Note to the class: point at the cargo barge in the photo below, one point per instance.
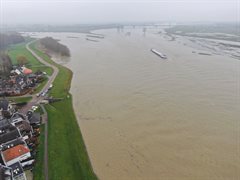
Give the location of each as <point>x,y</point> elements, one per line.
<point>163,56</point>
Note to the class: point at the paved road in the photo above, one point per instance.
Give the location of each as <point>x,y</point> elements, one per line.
<point>36,100</point>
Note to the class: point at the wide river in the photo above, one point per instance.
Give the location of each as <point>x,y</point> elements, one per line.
<point>146,118</point>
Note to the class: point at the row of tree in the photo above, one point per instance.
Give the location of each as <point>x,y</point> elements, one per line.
<point>7,39</point>
<point>5,64</point>
<point>55,46</point>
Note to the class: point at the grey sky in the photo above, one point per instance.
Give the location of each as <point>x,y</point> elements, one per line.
<point>62,12</point>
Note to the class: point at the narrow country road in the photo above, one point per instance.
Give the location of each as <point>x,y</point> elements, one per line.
<point>36,100</point>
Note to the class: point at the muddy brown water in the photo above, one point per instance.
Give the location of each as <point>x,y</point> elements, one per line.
<point>147,118</point>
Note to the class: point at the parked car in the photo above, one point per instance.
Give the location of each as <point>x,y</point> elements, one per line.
<point>34,108</point>
<point>50,87</point>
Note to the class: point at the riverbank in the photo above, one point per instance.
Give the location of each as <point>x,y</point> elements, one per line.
<point>140,116</point>
<point>67,152</point>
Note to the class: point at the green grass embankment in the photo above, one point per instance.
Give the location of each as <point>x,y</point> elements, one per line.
<point>68,158</point>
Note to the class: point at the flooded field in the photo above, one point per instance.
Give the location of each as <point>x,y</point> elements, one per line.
<point>143,117</point>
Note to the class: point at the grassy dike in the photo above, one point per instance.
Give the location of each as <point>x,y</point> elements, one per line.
<point>38,171</point>
<point>68,158</point>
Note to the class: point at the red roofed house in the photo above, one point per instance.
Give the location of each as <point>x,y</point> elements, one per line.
<point>27,71</point>
<point>15,154</point>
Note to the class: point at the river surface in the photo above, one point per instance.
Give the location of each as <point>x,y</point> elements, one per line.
<point>146,118</point>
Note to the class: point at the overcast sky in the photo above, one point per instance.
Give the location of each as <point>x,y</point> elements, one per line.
<point>109,11</point>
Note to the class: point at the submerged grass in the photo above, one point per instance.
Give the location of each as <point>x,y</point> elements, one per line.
<point>68,158</point>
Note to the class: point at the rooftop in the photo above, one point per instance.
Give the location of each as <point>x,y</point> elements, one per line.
<point>4,104</point>
<point>5,173</point>
<point>27,71</point>
<point>15,152</point>
<point>16,169</point>
<point>8,132</point>
<point>11,144</point>
<point>34,118</point>
<point>3,123</point>
<point>17,115</point>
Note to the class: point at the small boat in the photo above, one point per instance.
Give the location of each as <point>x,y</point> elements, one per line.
<point>163,56</point>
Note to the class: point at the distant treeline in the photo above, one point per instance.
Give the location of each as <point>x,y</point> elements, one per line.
<point>228,31</point>
<point>84,28</point>
<point>55,46</point>
<point>7,39</point>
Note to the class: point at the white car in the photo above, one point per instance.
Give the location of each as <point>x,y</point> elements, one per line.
<point>34,108</point>
<point>44,93</point>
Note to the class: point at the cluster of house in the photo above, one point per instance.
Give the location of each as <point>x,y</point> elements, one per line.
<point>18,141</point>
<point>20,81</point>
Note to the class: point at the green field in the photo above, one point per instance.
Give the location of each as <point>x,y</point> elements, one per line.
<point>33,63</point>
<point>68,158</point>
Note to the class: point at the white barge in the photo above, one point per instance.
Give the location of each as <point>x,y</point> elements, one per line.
<point>163,56</point>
